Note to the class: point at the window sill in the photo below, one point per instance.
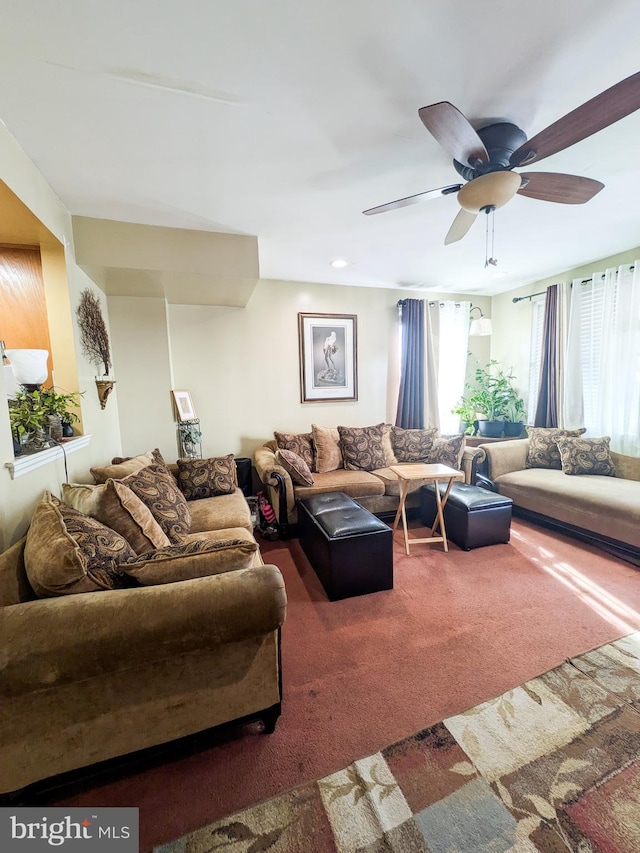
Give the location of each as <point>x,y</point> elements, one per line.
<point>23,464</point>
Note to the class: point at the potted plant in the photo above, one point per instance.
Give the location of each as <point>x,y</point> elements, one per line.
<point>30,414</point>
<point>190,438</point>
<point>60,408</point>
<point>515,415</point>
<point>467,414</point>
<point>29,419</point>
<point>492,392</point>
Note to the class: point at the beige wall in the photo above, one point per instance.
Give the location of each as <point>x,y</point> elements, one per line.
<point>511,337</point>
<point>142,367</point>
<point>242,366</point>
<point>19,497</point>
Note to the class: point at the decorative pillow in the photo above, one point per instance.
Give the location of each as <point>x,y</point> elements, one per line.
<point>195,559</point>
<point>586,456</point>
<point>123,466</point>
<point>363,447</point>
<point>300,443</point>
<point>206,478</point>
<point>543,450</point>
<point>447,450</point>
<point>326,444</point>
<point>68,552</point>
<point>412,445</point>
<point>156,488</point>
<point>119,508</point>
<point>296,466</point>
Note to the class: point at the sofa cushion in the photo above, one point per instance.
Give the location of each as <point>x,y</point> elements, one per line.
<point>123,466</point>
<point>194,559</point>
<point>220,512</point>
<point>206,478</point>
<point>295,466</point>
<point>602,505</point>
<point>356,484</point>
<point>300,443</point>
<point>119,508</point>
<point>446,450</point>
<point>580,455</point>
<point>327,451</point>
<point>157,488</point>
<point>543,450</point>
<point>412,445</point>
<point>364,447</point>
<point>68,552</point>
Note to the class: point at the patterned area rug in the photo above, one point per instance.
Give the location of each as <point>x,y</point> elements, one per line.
<point>553,765</point>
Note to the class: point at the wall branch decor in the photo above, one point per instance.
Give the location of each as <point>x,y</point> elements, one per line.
<point>95,341</point>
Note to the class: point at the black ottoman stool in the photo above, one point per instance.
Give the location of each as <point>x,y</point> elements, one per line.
<point>350,549</point>
<point>473,516</point>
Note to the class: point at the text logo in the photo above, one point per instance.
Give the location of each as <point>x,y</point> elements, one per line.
<point>32,829</point>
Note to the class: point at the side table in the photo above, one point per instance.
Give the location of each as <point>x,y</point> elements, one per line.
<point>432,473</point>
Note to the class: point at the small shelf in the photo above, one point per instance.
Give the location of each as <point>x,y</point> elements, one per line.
<point>29,462</point>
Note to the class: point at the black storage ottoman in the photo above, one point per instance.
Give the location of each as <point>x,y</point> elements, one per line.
<point>473,516</point>
<point>350,549</point>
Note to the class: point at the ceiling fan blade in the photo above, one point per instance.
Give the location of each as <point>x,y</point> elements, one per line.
<point>413,199</point>
<point>554,186</point>
<point>454,132</point>
<point>605,109</point>
<point>460,225</point>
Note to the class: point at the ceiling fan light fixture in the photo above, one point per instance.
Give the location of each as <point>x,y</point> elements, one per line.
<point>492,190</point>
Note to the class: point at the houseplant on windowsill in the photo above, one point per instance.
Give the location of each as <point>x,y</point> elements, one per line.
<point>467,414</point>
<point>515,415</point>
<point>491,394</point>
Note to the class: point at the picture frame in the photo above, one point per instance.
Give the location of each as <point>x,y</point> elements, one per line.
<point>184,405</point>
<point>328,357</point>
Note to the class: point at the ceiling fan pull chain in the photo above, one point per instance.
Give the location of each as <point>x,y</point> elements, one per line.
<point>490,260</point>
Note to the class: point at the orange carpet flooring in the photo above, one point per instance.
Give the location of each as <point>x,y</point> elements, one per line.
<point>359,674</point>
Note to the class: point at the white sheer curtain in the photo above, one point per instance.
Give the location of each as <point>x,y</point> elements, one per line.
<point>602,365</point>
<point>447,342</point>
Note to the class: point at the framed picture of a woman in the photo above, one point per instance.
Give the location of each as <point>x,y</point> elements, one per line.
<point>328,357</point>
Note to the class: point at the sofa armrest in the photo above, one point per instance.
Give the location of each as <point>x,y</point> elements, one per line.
<point>49,642</point>
<point>471,458</point>
<point>503,457</point>
<point>277,482</point>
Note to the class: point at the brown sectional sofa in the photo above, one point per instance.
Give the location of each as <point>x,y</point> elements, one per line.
<point>90,676</point>
<point>377,490</point>
<point>601,510</point>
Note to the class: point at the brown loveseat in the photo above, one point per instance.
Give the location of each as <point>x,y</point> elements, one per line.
<point>91,676</point>
<point>376,489</point>
<point>601,510</point>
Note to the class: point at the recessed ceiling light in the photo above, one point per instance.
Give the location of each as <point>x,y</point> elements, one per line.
<point>499,274</point>
<point>339,263</point>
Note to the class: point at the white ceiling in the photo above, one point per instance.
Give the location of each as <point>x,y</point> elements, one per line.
<point>286,119</point>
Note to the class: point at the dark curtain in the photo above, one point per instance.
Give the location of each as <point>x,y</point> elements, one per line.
<point>547,404</point>
<point>410,414</point>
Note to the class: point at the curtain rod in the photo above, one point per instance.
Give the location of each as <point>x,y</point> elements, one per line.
<point>402,302</point>
<point>542,292</point>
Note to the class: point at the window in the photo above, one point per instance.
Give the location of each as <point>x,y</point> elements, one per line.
<point>603,355</point>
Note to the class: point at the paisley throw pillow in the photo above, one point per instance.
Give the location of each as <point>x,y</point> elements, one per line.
<point>156,488</point>
<point>207,478</point>
<point>68,552</point>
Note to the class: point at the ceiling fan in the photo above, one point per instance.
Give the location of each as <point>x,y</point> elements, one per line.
<point>485,158</point>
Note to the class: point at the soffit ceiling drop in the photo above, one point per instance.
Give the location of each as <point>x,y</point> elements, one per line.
<point>285,122</point>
